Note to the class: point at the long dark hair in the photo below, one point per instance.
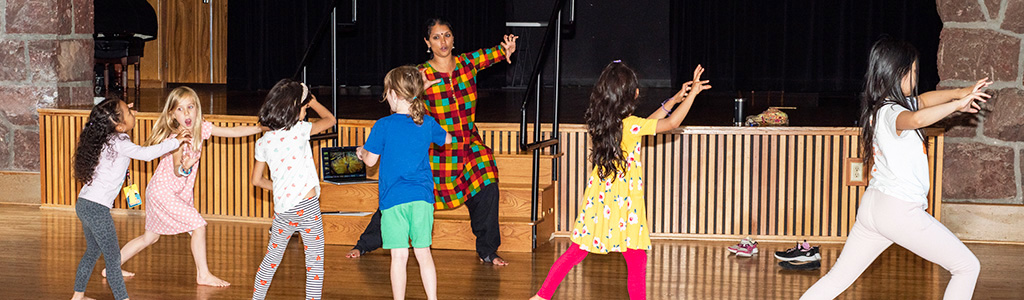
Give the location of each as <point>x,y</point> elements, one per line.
<point>96,134</point>
<point>613,99</point>
<point>282,106</point>
<point>890,60</point>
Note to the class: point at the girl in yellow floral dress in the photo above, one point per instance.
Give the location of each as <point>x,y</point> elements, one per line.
<point>613,217</point>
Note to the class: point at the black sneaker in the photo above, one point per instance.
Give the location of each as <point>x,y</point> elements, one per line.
<point>802,252</point>
<point>800,266</point>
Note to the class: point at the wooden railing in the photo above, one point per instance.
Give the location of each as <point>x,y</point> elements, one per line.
<point>702,181</point>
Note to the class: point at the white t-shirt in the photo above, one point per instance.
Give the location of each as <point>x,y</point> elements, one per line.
<point>901,161</point>
<point>290,159</point>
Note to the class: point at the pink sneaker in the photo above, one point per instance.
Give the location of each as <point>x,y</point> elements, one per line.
<point>745,248</point>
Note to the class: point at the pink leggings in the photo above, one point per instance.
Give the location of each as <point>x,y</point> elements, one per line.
<point>636,266</point>
<point>883,220</point>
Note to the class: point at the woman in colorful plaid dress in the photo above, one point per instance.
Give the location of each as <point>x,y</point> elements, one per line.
<point>464,171</point>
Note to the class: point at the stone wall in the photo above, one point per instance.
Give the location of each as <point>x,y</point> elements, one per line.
<point>983,38</point>
<point>46,52</point>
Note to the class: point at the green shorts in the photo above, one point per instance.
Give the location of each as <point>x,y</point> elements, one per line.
<point>400,223</point>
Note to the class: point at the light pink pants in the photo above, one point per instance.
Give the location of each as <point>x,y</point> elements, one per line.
<point>883,220</point>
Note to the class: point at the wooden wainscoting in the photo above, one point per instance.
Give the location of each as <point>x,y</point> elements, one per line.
<point>721,182</point>
<point>708,182</point>
<point>727,182</point>
<point>222,187</point>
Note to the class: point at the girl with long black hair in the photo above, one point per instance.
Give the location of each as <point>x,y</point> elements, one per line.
<point>101,160</point>
<point>892,209</point>
<point>613,218</point>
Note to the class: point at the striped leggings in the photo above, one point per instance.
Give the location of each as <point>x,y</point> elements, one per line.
<point>304,218</point>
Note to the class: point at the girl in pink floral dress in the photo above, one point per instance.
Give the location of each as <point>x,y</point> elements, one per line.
<point>170,208</point>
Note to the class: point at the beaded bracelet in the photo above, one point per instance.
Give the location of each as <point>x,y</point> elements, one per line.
<point>663,106</point>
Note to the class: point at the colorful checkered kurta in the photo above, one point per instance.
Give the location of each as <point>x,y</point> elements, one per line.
<point>463,168</point>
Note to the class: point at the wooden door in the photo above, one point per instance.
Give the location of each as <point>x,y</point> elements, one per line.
<point>192,56</point>
<point>152,62</point>
<point>220,41</point>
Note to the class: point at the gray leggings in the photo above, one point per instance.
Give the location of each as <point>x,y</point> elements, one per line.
<point>100,238</point>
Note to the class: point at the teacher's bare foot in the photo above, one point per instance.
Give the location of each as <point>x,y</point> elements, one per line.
<point>494,259</point>
<point>211,280</point>
<point>354,253</point>
<point>123,273</point>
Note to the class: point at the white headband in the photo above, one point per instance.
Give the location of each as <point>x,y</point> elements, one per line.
<point>305,92</point>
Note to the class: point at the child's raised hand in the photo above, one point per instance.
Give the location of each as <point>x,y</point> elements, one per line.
<point>697,85</point>
<point>190,159</point>
<point>509,44</point>
<point>685,90</point>
<point>313,102</point>
<point>185,136</point>
<point>980,85</point>
<point>967,104</point>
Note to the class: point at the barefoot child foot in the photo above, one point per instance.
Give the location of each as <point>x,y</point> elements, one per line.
<point>537,297</point>
<point>81,296</point>
<point>123,273</point>
<point>211,280</point>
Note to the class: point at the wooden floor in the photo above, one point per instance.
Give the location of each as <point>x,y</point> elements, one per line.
<point>41,248</point>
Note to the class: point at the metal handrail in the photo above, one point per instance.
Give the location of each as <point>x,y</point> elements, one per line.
<point>540,144</point>
<point>552,32</point>
<point>553,29</point>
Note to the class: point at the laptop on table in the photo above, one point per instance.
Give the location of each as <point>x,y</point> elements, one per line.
<point>340,165</point>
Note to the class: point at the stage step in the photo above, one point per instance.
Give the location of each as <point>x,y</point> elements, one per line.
<point>452,227</point>
<point>518,168</point>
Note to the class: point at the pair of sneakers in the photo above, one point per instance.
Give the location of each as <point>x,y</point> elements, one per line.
<point>746,248</point>
<point>801,257</point>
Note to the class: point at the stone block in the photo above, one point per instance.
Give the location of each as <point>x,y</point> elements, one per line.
<point>993,8</point>
<point>26,150</point>
<point>12,61</point>
<point>978,171</point>
<point>83,10</point>
<point>959,10</point>
<point>5,145</point>
<point>972,54</point>
<point>75,60</point>
<point>65,16</point>
<point>1004,113</point>
<point>33,16</point>
<point>75,96</point>
<point>960,125</point>
<point>42,60</point>
<point>1014,18</point>
<point>19,102</point>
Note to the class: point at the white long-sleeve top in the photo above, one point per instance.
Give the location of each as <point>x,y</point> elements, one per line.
<point>113,164</point>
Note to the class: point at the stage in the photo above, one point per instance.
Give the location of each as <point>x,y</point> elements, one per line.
<point>42,248</point>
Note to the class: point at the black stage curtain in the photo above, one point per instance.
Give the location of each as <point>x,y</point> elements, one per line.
<point>267,39</point>
<point>796,45</point>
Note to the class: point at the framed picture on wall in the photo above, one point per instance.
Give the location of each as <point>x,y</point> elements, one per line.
<point>856,174</point>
